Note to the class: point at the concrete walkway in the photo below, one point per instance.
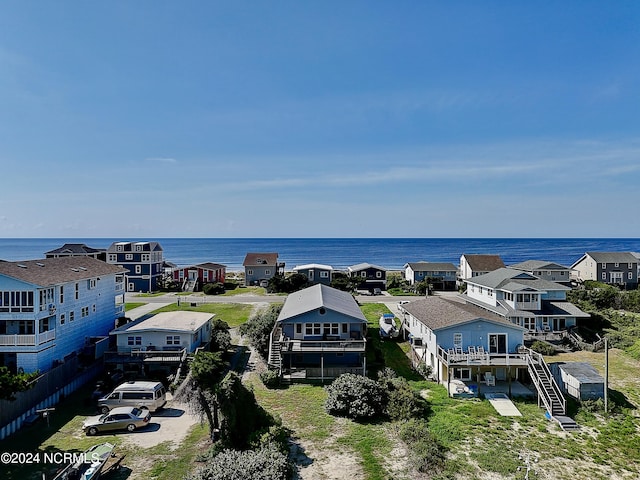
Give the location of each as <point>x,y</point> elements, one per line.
<point>502,404</point>
<point>145,309</point>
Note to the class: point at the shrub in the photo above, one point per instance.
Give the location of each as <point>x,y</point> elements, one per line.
<point>258,328</point>
<point>427,454</point>
<point>213,288</point>
<point>355,396</point>
<point>424,370</point>
<point>264,463</point>
<point>270,378</point>
<point>543,348</point>
<point>230,285</point>
<point>220,336</point>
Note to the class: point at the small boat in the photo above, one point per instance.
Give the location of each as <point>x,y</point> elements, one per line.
<point>388,326</point>
<point>89,465</point>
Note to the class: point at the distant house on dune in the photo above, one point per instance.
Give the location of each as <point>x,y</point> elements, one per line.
<point>315,272</point>
<point>194,277</point>
<point>615,268</point>
<point>473,265</point>
<point>259,267</point>
<point>442,274</point>
<point>77,250</point>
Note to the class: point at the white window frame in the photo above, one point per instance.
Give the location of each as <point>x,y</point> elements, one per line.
<point>457,339</point>
<point>128,256</point>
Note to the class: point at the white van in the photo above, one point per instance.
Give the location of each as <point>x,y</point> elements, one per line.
<point>141,394</point>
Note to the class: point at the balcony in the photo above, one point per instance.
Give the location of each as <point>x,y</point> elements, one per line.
<point>346,345</point>
<point>475,358</point>
<point>146,356</point>
<point>22,340</point>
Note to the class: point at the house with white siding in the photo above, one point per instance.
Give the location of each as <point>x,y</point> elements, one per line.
<point>52,308</point>
<point>537,305</point>
<point>473,265</point>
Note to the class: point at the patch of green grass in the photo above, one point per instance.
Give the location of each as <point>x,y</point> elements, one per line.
<point>234,314</point>
<point>245,291</point>
<point>169,464</point>
<point>131,305</point>
<point>300,407</point>
<point>371,443</point>
<point>154,294</point>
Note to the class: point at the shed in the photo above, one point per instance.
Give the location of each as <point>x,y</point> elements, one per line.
<point>578,380</point>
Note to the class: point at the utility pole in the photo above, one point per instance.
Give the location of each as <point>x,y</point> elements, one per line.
<point>606,375</point>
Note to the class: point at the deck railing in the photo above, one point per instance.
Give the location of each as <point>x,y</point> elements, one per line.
<point>18,340</point>
<point>450,357</point>
<point>323,345</point>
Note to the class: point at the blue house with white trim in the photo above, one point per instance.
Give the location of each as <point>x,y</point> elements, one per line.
<point>320,334</point>
<point>51,308</point>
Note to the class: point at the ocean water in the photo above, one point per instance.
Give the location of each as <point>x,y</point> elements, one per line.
<point>391,253</point>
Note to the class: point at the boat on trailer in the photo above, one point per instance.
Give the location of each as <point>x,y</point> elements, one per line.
<point>89,465</point>
<point>388,327</point>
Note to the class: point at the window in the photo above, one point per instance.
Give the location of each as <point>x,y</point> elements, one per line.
<point>457,340</point>
<point>267,272</point>
<point>93,308</point>
<point>345,328</point>
<point>363,274</point>
<point>378,274</point>
<point>249,272</point>
<point>298,328</point>
<point>72,316</point>
<point>630,265</point>
<point>173,339</point>
<point>77,291</point>
<point>113,257</point>
<point>119,248</point>
<point>128,256</point>
<point>324,274</point>
<point>134,341</point>
<point>312,329</point>
<point>604,265</point>
<point>529,323</point>
<point>61,293</point>
<point>331,329</point>
<point>138,248</point>
<point>138,269</point>
<point>84,312</point>
<point>604,275</point>
<point>630,275</point>
<point>63,318</point>
<point>91,283</point>
<point>145,257</point>
<point>616,264</point>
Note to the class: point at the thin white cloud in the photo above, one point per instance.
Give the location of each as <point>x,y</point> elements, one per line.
<point>161,160</point>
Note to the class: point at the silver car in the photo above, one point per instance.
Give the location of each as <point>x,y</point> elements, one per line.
<point>120,418</point>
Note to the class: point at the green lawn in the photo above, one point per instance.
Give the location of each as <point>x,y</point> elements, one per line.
<point>234,314</point>
<point>131,305</point>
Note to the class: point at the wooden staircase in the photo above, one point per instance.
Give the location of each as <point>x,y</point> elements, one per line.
<point>549,392</point>
<point>275,356</point>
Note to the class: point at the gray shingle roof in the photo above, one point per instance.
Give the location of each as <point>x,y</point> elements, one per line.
<point>54,271</point>
<point>509,279</point>
<point>432,266</point>
<point>613,257</point>
<point>438,312</point>
<point>78,248</point>
<point>531,265</point>
<point>364,266</point>
<point>312,298</point>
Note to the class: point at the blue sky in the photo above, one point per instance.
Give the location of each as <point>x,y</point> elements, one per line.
<point>319,119</point>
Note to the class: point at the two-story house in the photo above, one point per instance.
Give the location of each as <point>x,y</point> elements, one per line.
<point>320,334</point>
<point>545,270</point>
<point>442,274</point>
<point>77,250</point>
<point>194,277</point>
<point>535,304</point>
<point>615,268</point>
<point>371,276</point>
<point>464,343</point>
<point>143,260</point>
<point>315,273</point>
<point>473,265</point>
<point>260,267</point>
<point>50,308</point>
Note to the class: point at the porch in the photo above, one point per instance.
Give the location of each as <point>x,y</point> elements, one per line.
<point>474,389</point>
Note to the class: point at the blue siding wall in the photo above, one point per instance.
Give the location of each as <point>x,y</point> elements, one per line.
<point>477,334</point>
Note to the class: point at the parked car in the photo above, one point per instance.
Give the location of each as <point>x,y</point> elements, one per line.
<point>120,418</point>
<point>141,394</point>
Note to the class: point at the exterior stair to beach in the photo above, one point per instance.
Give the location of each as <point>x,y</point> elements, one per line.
<point>549,392</point>
<point>275,357</point>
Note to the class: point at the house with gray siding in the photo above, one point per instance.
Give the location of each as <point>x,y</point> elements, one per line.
<point>319,334</point>
<point>50,309</point>
<point>259,267</point>
<point>316,273</point>
<point>550,271</point>
<point>443,275</point>
<point>370,276</point>
<point>614,268</point>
